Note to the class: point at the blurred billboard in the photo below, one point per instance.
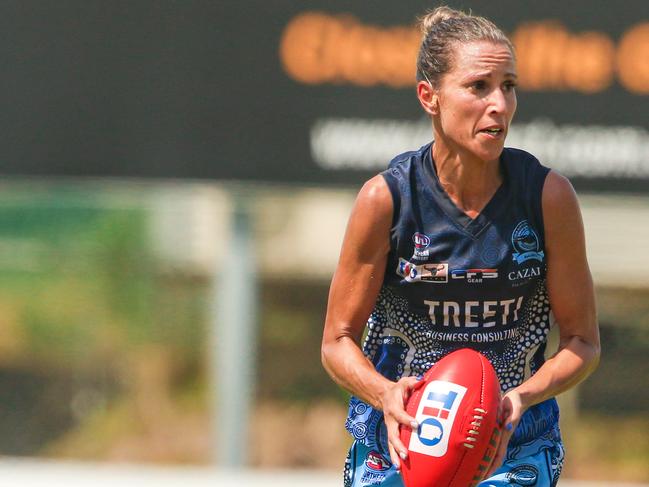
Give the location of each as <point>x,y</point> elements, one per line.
<point>308,92</point>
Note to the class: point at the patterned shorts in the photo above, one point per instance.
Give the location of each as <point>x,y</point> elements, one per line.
<point>534,456</point>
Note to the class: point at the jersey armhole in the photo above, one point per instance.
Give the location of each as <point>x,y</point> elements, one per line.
<point>393,186</point>
<point>539,201</point>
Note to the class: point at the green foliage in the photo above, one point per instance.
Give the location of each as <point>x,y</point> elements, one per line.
<point>80,279</point>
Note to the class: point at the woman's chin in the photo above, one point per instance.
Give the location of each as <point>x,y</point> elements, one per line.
<point>490,153</point>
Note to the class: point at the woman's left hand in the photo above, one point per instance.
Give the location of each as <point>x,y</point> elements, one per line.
<point>511,410</point>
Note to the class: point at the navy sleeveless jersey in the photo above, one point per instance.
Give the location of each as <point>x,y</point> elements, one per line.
<point>454,282</point>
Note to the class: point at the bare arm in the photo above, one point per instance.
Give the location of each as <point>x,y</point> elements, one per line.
<point>572,297</point>
<point>572,300</point>
<point>354,289</point>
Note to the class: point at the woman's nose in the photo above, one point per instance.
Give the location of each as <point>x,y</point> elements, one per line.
<point>497,101</point>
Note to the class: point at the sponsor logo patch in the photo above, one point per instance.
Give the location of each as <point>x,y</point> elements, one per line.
<point>474,275</point>
<point>437,273</point>
<point>522,276</point>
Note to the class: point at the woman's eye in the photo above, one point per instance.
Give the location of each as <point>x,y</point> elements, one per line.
<point>510,85</point>
<point>479,85</point>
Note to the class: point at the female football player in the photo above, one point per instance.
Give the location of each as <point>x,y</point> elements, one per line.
<point>462,243</point>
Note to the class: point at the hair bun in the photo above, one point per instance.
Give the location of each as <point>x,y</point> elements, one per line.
<point>434,17</point>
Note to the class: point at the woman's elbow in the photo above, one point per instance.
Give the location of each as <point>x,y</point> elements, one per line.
<point>325,352</point>
<point>596,355</point>
<point>591,353</point>
<point>328,352</point>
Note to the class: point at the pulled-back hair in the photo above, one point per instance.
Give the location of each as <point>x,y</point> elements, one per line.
<point>441,29</point>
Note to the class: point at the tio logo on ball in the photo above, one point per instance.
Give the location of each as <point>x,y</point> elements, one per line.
<point>436,413</point>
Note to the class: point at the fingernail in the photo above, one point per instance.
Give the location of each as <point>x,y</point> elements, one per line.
<point>420,377</point>
<point>509,426</point>
<point>414,425</point>
<point>403,455</point>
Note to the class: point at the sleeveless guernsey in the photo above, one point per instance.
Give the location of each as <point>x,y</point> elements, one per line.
<point>454,282</point>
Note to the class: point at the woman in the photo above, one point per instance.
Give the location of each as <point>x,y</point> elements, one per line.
<point>462,243</point>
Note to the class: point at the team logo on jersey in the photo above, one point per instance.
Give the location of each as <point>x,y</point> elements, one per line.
<point>526,474</point>
<point>474,275</point>
<point>526,243</point>
<point>435,414</point>
<point>376,462</point>
<point>421,242</point>
<point>437,273</point>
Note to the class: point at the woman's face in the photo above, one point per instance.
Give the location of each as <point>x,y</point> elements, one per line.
<point>477,99</point>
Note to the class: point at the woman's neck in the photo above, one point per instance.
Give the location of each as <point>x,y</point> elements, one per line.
<point>468,181</point>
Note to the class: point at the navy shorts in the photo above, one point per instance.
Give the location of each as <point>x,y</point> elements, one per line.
<point>534,456</point>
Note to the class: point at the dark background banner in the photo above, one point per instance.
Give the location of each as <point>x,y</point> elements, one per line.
<point>190,89</point>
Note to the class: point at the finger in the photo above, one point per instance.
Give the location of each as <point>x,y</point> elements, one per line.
<point>501,451</point>
<point>501,414</point>
<point>403,418</point>
<point>493,465</point>
<point>394,457</point>
<point>395,441</point>
<point>400,449</point>
<point>506,412</point>
<point>411,381</point>
<point>419,384</point>
<point>397,411</point>
<point>506,419</point>
<point>409,385</point>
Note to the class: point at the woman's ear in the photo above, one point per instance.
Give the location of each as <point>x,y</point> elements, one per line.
<point>428,97</point>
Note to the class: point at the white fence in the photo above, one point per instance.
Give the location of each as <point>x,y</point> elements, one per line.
<point>31,473</point>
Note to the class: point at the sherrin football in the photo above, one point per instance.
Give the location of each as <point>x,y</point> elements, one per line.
<point>456,407</point>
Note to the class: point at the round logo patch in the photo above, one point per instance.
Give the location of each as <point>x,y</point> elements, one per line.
<point>523,475</point>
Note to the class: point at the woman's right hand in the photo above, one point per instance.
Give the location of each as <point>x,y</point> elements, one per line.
<point>393,402</point>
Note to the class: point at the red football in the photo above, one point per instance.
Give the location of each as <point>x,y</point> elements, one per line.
<point>456,407</point>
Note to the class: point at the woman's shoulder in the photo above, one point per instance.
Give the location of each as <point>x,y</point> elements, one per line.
<point>409,156</point>
<point>375,198</point>
<point>374,190</point>
<point>558,191</point>
<point>371,217</point>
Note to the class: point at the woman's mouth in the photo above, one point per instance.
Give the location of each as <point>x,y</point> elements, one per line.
<point>493,132</point>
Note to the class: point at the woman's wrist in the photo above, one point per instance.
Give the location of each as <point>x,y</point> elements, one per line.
<point>526,397</point>
<point>380,392</point>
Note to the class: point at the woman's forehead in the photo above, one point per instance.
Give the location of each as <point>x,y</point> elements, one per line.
<point>481,56</point>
